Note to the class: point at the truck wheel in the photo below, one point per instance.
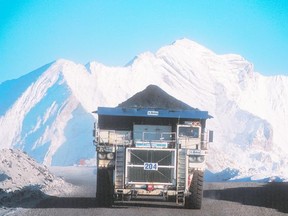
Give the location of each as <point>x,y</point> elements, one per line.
<point>104,193</point>
<point>194,200</point>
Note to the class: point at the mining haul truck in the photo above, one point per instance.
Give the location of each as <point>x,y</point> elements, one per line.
<point>151,152</point>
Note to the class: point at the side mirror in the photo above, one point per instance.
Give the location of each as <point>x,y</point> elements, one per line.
<point>211,134</point>
<point>94,143</point>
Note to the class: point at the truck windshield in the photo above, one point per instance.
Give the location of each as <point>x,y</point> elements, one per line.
<point>192,132</point>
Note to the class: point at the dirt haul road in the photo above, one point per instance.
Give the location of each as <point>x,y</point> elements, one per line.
<point>219,199</point>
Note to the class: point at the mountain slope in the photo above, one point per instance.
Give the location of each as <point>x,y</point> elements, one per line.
<point>51,119</point>
<point>38,120</point>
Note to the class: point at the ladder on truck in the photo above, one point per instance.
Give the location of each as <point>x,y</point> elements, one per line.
<point>119,167</point>
<point>181,176</point>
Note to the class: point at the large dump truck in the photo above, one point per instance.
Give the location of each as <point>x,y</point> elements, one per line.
<point>151,152</point>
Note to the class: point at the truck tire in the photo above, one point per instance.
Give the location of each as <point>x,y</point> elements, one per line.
<point>105,190</point>
<point>194,200</point>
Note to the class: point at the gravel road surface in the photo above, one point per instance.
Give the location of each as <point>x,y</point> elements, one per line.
<point>219,199</point>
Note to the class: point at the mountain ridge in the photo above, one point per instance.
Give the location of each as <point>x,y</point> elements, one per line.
<point>52,117</point>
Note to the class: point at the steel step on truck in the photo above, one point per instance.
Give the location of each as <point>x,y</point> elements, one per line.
<point>151,152</point>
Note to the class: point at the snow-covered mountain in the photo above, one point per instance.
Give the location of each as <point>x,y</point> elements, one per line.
<point>48,112</point>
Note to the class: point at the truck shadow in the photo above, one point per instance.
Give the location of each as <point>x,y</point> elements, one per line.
<point>91,202</point>
<point>149,203</point>
<point>270,195</point>
<point>34,198</point>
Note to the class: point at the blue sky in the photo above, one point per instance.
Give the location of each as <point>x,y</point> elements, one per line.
<point>36,32</point>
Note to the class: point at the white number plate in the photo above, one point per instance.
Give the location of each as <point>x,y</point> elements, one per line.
<point>150,166</point>
<point>194,152</point>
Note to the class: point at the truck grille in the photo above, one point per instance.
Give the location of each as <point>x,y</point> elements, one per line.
<point>164,158</point>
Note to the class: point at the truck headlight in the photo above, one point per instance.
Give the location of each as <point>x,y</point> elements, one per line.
<point>101,156</point>
<point>192,159</point>
<point>110,156</point>
<point>200,158</point>
<point>196,159</point>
